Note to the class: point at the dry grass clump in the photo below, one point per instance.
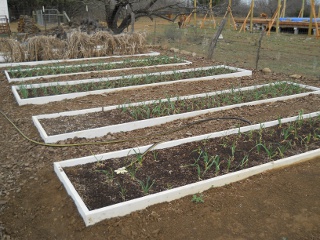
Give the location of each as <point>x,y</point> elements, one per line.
<point>77,45</point>
<point>12,50</point>
<point>45,48</point>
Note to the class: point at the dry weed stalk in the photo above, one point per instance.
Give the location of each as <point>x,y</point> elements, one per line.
<point>12,50</point>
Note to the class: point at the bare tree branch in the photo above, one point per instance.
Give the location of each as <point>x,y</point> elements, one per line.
<point>113,8</point>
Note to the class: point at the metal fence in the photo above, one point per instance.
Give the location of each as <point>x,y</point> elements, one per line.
<point>50,16</point>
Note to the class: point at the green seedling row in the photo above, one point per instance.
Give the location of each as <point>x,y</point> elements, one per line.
<point>27,91</point>
<point>163,108</point>
<point>18,72</point>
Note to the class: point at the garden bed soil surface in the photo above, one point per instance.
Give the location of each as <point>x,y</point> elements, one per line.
<point>66,124</point>
<point>281,204</point>
<point>104,183</point>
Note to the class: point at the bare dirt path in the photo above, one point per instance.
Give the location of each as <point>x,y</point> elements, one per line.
<point>282,204</point>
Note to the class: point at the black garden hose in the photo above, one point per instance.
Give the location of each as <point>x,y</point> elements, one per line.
<point>121,140</point>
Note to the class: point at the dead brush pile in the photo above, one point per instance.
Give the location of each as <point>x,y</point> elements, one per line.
<point>12,50</point>
<point>77,45</point>
<point>104,43</point>
<point>45,48</point>
<point>138,42</point>
<point>130,43</point>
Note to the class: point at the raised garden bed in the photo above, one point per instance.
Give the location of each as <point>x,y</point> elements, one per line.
<point>57,91</point>
<point>118,183</point>
<point>63,61</point>
<point>27,74</point>
<point>97,122</point>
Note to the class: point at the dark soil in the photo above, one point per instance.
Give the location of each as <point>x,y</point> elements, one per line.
<point>281,204</point>
<point>160,170</point>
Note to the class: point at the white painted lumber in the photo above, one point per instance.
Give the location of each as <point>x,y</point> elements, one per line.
<point>54,98</point>
<point>25,79</point>
<point>35,63</point>
<point>130,126</point>
<point>124,208</point>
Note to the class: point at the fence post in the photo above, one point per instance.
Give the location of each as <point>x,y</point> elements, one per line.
<point>44,19</point>
<point>215,38</point>
<point>311,17</point>
<point>154,31</point>
<point>278,17</point>
<point>251,17</point>
<point>133,19</point>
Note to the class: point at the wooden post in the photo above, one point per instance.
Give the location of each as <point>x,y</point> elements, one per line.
<point>316,23</point>
<point>302,9</point>
<point>133,19</point>
<point>126,15</point>
<point>314,14</point>
<point>229,17</point>
<point>87,10</point>
<point>311,17</point>
<point>44,19</point>
<point>211,15</point>
<point>278,17</point>
<point>270,24</point>
<point>215,38</point>
<point>283,13</point>
<point>243,27</point>
<point>251,16</point>
<point>154,31</point>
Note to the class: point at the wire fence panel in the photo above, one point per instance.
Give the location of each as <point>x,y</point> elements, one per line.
<point>289,52</point>
<point>286,52</point>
